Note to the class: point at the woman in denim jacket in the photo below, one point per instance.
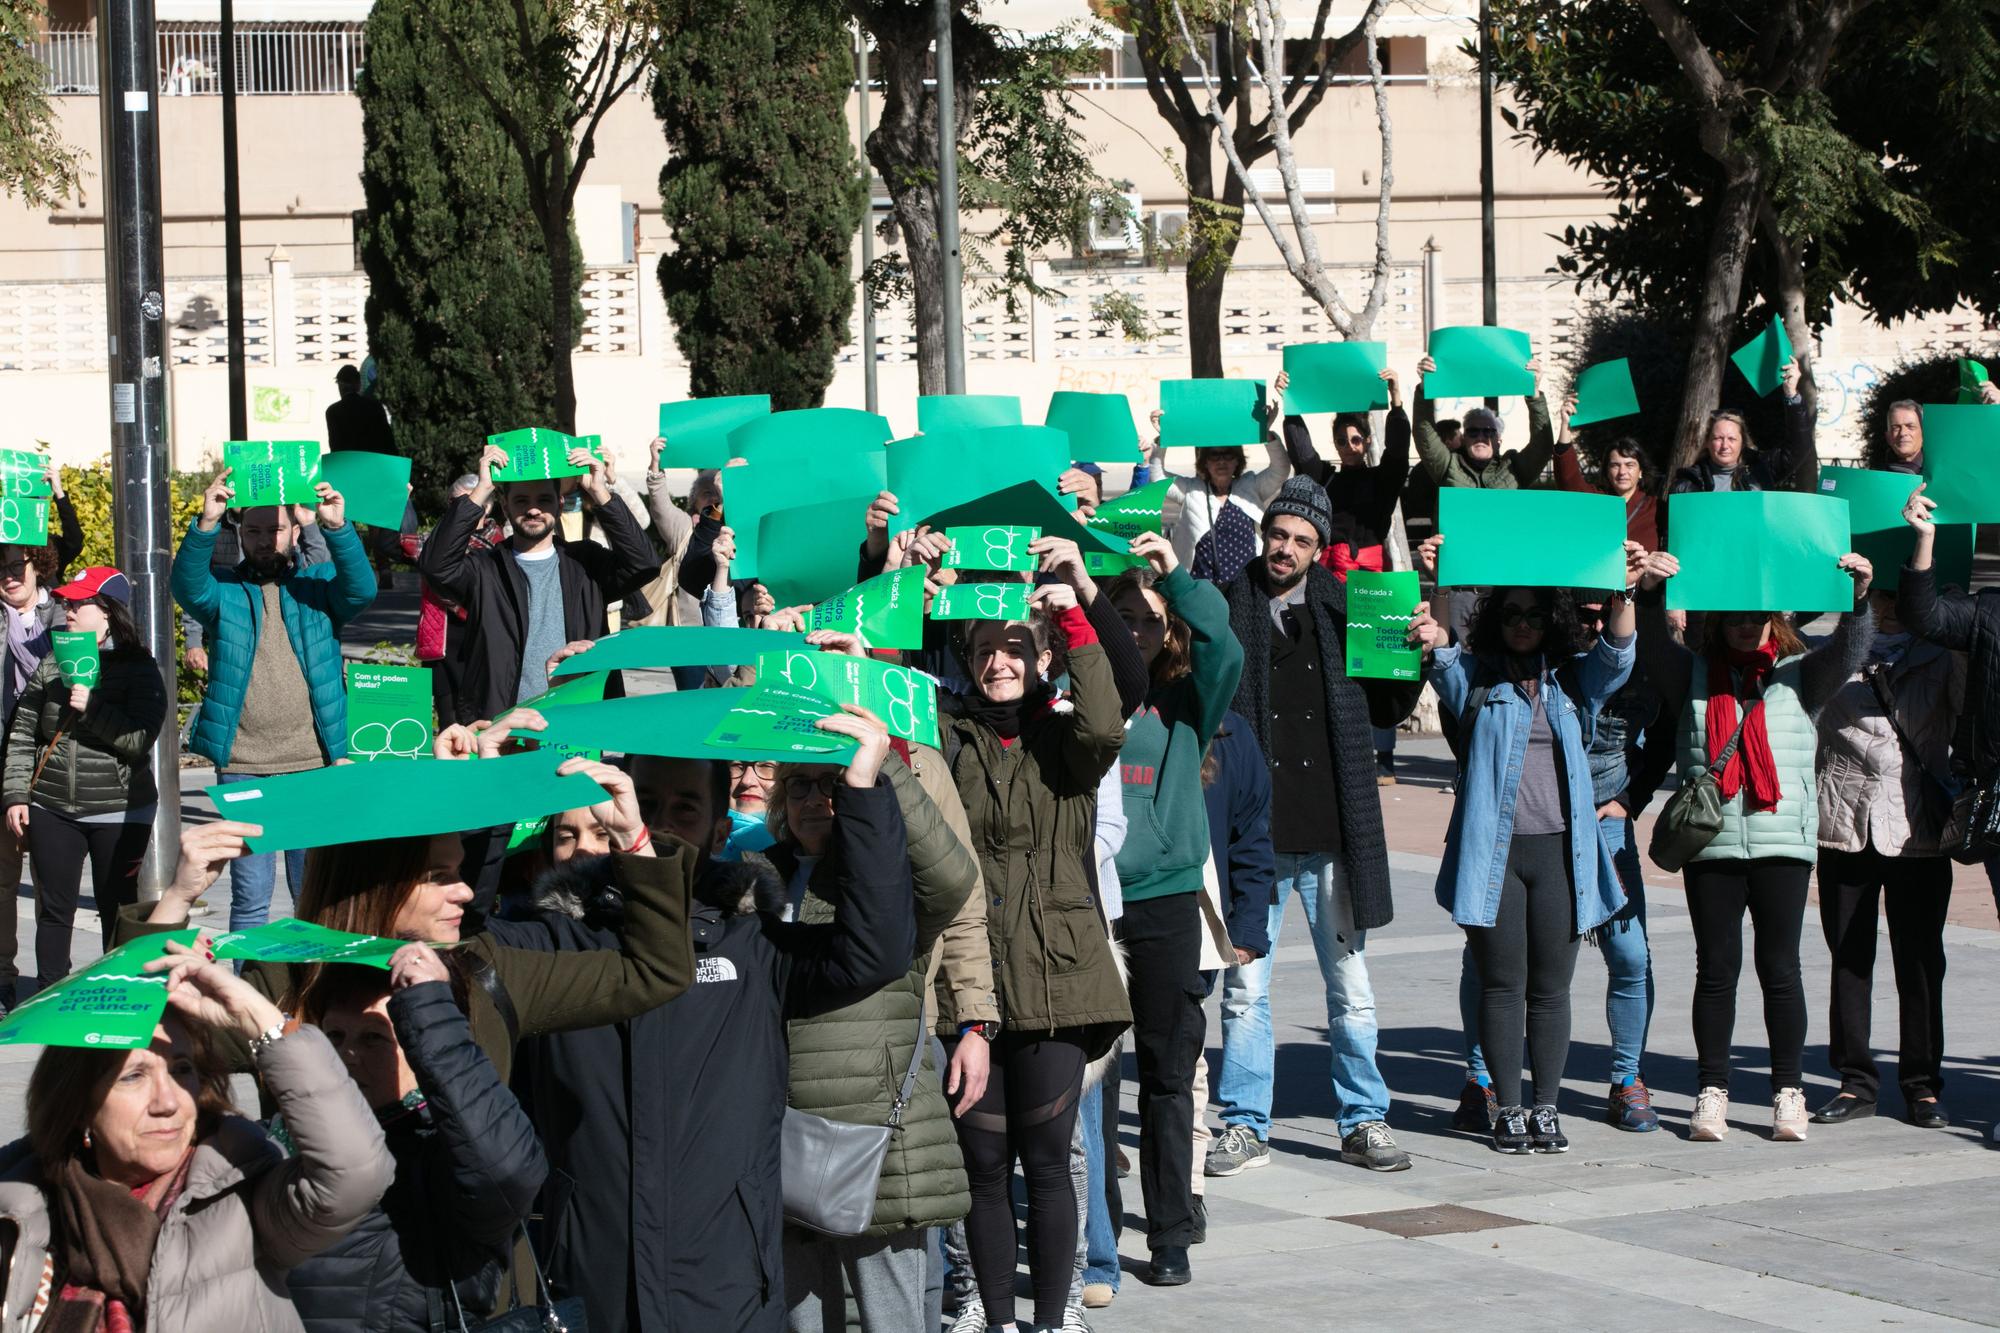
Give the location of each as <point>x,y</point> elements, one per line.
<point>1522,887</point>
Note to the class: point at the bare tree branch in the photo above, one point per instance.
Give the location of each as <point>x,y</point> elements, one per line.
<point>1270,31</point>
<point>1378,288</point>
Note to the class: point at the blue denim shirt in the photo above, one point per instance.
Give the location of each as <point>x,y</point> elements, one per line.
<point>1482,820</point>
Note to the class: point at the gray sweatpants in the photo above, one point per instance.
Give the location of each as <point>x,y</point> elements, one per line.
<point>885,1274</point>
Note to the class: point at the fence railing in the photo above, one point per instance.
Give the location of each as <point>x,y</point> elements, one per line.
<point>271,59</point>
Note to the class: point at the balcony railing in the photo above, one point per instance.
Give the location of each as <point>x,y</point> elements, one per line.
<point>271,59</point>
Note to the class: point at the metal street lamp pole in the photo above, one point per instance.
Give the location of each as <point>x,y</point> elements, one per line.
<point>954,276</point>
<point>867,230</point>
<point>232,231</point>
<point>1489,273</point>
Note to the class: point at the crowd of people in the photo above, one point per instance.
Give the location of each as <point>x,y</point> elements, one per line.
<point>628,1066</point>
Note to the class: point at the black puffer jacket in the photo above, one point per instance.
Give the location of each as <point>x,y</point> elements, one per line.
<point>1967,623</point>
<point>468,1166</point>
<point>100,761</point>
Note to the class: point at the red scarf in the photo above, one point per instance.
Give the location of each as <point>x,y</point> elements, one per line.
<point>1753,752</point>
<point>1341,557</point>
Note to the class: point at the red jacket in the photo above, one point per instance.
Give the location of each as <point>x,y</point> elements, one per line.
<point>1642,511</point>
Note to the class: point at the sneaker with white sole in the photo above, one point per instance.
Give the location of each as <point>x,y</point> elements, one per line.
<point>1788,1116</point>
<point>1711,1116</point>
<point>1238,1149</point>
<point>971,1317</point>
<point>1073,1321</point>
<point>1370,1144</point>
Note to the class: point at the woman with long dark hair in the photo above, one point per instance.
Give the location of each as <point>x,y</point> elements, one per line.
<point>1627,473</point>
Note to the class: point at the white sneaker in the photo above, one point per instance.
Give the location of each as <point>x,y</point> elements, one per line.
<point>1073,1320</point>
<point>971,1316</point>
<point>1788,1116</point>
<point>1994,1133</point>
<point>1711,1116</point>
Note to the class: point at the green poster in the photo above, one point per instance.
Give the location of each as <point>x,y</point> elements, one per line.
<point>24,520</point>
<point>929,474</point>
<point>1531,539</point>
<point>652,647</point>
<point>991,548</point>
<point>1133,512</point>
<point>1336,377</point>
<point>1099,426</point>
<point>1875,500</point>
<point>113,1003</point>
<point>1889,551</point>
<point>809,431</point>
<point>365,802</point>
<point>1211,413</point>
<point>1099,565</point>
<point>294,941</point>
<point>1379,607</point>
<point>24,472</point>
<point>697,431</point>
<point>539,454</point>
<point>1604,392</point>
<point>1758,551</point>
<point>938,413</point>
<point>1875,516</point>
<point>887,611</point>
<point>678,724</point>
<point>1476,361</point>
<point>755,489</point>
<point>388,712</point>
<point>903,697</point>
<point>773,720</point>
<point>1971,375</point>
<point>1962,462</point>
<point>586,689</point>
<point>272,472</point>
<point>76,655</point>
<point>808,552</point>
<point>1030,504</point>
<point>981,601</point>
<point>1761,361</point>
<point>375,487</point>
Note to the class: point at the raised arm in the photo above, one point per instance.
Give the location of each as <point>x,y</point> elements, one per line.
<point>1216,658</point>
<point>339,1168</point>
<point>873,935</point>
<point>353,588</point>
<point>1527,465</point>
<point>1299,448</point>
<point>941,869</point>
<point>1834,661</point>
<point>627,561</point>
<point>447,563</point>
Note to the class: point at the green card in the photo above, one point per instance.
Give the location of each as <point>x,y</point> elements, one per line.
<point>1379,607</point>
<point>388,712</point>
<point>1962,462</point>
<point>1971,375</point>
<point>1030,504</point>
<point>1479,361</point>
<point>364,802</point>
<point>941,412</point>
<point>572,689</point>
<point>24,472</point>
<point>808,552</point>
<point>929,474</point>
<point>697,431</point>
<point>679,724</point>
<point>1875,500</point>
<point>1761,361</point>
<point>272,472</point>
<point>755,489</point>
<point>24,520</point>
<point>991,548</point>
<point>539,454</point>
<point>809,431</point>
<point>1336,377</point>
<point>1211,413</point>
<point>1531,539</point>
<point>296,941</point>
<point>76,655</point>
<point>1102,566</point>
<point>1951,555</point>
<point>1133,512</point>
<point>887,611</point>
<point>1099,426</point>
<point>903,697</point>
<point>375,487</point>
<point>1604,392</point>
<point>576,690</point>
<point>1758,551</point>
<point>981,601</point>
<point>653,647</point>
<point>772,721</point>
<point>111,1004</point>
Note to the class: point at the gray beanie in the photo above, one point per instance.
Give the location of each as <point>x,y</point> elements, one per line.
<point>1302,497</point>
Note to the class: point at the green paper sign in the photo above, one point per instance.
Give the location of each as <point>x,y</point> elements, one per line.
<point>388,712</point>
<point>76,656</point>
<point>679,724</point>
<point>808,552</point>
<point>931,474</point>
<point>887,611</point>
<point>1604,392</point>
<point>772,486</point>
<point>774,721</point>
<point>697,431</point>
<point>809,432</point>
<point>1101,566</point>
<point>272,472</point>
<point>1336,377</point>
<point>653,647</point>
<point>111,1004</point>
<point>1971,375</point>
<point>1888,552</point>
<point>1962,462</point>
<point>991,548</point>
<point>539,454</point>
<point>1761,361</point>
<point>296,941</point>
<point>1099,426</point>
<point>938,413</point>
<point>1875,500</point>
<point>981,601</point>
<point>1030,504</point>
<point>1478,361</point>
<point>1379,607</point>
<point>363,802</point>
<point>1758,551</point>
<point>903,697</point>
<point>1211,413</point>
<point>24,520</point>
<point>1133,512</point>
<point>577,690</point>
<point>1530,539</point>
<point>375,487</point>
<point>24,472</point>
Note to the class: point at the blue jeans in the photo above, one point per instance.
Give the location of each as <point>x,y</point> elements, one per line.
<point>1100,1241</point>
<point>1628,962</point>
<point>1385,740</point>
<point>251,878</point>
<point>1243,1087</point>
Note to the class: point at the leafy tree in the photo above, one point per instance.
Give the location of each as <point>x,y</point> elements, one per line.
<point>459,288</point>
<point>34,161</point>
<point>762,191</point>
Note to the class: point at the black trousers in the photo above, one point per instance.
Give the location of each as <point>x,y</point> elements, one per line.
<point>57,848</point>
<point>1162,939</point>
<point>1526,960</point>
<point>1918,892</point>
<point>1772,890</point>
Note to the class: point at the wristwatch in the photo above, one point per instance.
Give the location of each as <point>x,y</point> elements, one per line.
<point>986,1028</point>
<point>262,1041</point>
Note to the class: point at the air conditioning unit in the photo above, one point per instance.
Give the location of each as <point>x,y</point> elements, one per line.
<point>1114,229</point>
<point>1164,228</point>
<point>1315,183</point>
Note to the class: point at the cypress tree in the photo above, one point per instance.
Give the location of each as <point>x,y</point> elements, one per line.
<point>763,193</point>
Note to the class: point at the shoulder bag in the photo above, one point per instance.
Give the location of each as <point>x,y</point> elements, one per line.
<point>1972,828</point>
<point>1692,816</point>
<point>832,1169</point>
<point>547,1315</point>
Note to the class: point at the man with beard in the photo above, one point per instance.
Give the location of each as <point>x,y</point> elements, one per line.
<point>1314,724</point>
<point>535,592</point>
<point>276,701</point>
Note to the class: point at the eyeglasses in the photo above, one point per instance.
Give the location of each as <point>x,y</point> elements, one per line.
<point>1480,433</point>
<point>1590,614</point>
<point>1531,616</point>
<point>801,787</point>
<point>766,769</point>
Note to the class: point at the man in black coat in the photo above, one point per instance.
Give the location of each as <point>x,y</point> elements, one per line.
<point>1314,725</point>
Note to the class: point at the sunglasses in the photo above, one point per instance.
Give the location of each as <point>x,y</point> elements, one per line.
<point>1480,433</point>
<point>1532,616</point>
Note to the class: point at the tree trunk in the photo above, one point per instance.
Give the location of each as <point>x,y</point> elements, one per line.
<point>1789,296</point>
<point>903,149</point>
<point>1722,289</point>
<point>562,318</point>
<point>1207,262</point>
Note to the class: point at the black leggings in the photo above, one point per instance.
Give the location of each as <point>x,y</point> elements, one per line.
<point>1029,1111</point>
<point>57,846</point>
<point>1773,889</point>
<point>1526,960</point>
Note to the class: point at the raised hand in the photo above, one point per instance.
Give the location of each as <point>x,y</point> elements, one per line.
<point>1427,554</point>
<point>1157,552</point>
<point>863,726</point>
<point>204,991</point>
<point>414,964</point>
<point>596,484</point>
<point>619,811</point>
<point>1917,511</point>
<point>1425,632</point>
<point>1790,374</point>
<point>215,500</point>
<point>1860,570</point>
<point>331,512</point>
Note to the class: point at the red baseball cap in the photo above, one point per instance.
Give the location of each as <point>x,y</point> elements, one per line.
<point>97,581</point>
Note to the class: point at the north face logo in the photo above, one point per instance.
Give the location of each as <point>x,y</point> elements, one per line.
<point>714,969</point>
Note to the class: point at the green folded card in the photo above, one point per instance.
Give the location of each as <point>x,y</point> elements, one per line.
<point>24,520</point>
<point>388,712</point>
<point>272,472</point>
<point>679,724</point>
<point>981,601</point>
<point>1962,462</point>
<point>809,431</point>
<point>1479,361</point>
<point>1758,551</point>
<point>1133,512</point>
<point>1604,392</point>
<point>1336,377</point>
<point>887,611</point>
<point>1099,426</point>
<point>1762,361</point>
<point>374,487</point>
<point>807,552</point>
<point>653,647</point>
<point>929,474</point>
<point>941,412</point>
<point>771,721</point>
<point>1211,413</point>
<point>1889,551</point>
<point>24,472</point>
<point>111,1004</point>
<point>76,656</point>
<point>539,454</point>
<point>1875,499</point>
<point>1030,504</point>
<point>296,941</point>
<point>1379,607</point>
<point>1004,548</point>
<point>697,431</point>
<point>903,697</point>
<point>751,491</point>
<point>1971,374</point>
<point>1530,539</point>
